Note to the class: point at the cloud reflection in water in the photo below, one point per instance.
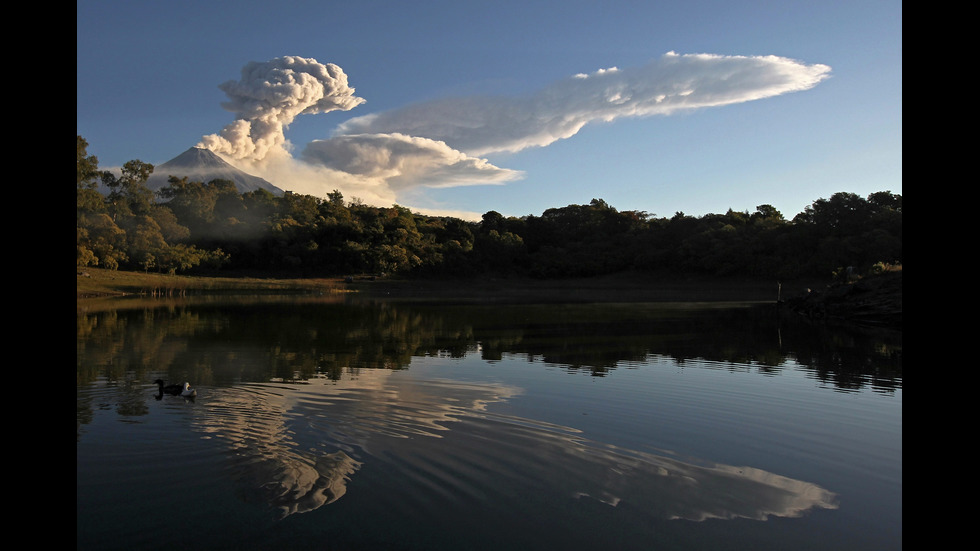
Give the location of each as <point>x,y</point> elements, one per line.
<point>297,447</point>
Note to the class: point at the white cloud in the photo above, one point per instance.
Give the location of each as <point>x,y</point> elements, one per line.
<point>481,126</point>
<point>269,96</point>
<point>404,161</point>
<point>379,156</point>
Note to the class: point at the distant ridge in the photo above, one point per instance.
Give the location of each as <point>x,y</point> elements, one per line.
<point>202,165</point>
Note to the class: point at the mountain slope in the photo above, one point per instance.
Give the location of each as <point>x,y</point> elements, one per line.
<point>201,165</point>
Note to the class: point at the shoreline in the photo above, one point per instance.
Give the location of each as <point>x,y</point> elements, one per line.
<point>625,287</point>
<point>875,300</point>
<point>616,288</point>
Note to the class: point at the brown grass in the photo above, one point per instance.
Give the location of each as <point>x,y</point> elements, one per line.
<point>94,282</point>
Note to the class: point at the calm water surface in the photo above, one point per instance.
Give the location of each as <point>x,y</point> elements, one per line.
<point>344,424</point>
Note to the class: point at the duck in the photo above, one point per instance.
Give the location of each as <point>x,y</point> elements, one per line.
<point>176,390</point>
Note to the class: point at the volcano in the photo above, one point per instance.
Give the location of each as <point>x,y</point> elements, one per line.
<point>202,165</point>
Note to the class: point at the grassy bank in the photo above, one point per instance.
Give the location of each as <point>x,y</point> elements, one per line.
<point>628,287</point>
<point>94,282</point>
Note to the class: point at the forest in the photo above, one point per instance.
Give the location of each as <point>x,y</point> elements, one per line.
<point>204,227</point>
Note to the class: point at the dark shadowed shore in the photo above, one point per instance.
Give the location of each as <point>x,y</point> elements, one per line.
<point>614,288</point>
<point>627,287</point>
<point>873,300</point>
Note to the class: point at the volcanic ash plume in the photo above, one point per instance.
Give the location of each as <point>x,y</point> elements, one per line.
<point>382,157</point>
<point>269,96</point>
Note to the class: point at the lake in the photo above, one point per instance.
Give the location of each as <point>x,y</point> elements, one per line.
<point>344,423</point>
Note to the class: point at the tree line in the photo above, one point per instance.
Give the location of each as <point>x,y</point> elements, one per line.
<point>195,227</point>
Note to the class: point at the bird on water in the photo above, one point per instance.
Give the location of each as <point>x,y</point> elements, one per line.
<point>176,390</point>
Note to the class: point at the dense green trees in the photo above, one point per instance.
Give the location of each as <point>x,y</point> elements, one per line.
<point>128,228</point>
<point>207,225</point>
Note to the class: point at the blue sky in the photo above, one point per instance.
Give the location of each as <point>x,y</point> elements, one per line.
<point>465,107</point>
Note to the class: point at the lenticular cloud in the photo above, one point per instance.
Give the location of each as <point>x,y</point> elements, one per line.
<point>481,126</point>
<point>441,143</point>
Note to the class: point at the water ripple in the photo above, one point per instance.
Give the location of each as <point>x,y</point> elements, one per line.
<point>299,446</point>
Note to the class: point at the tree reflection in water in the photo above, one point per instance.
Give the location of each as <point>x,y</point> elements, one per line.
<point>474,414</point>
<point>218,343</point>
